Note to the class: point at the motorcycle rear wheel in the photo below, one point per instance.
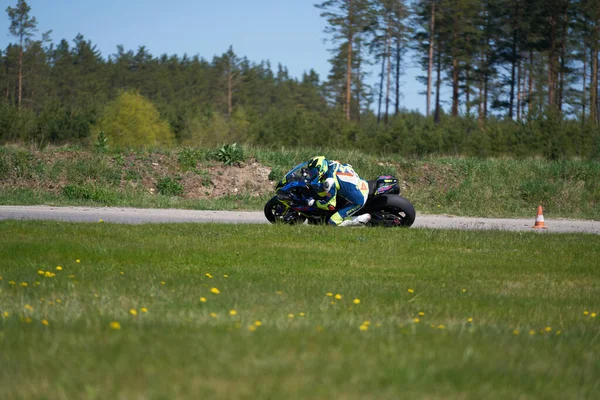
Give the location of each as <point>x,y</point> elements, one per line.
<point>391,211</point>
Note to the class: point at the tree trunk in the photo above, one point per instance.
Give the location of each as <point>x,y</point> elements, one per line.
<point>397,78</point>
<point>20,93</point>
<point>455,87</point>
<point>551,65</point>
<point>584,89</point>
<point>594,86</point>
<point>381,85</point>
<point>438,84</point>
<point>531,83</point>
<point>430,66</point>
<point>514,59</point>
<point>229,93</point>
<point>349,68</point>
<point>389,77</point>
<point>519,76</point>
<point>358,86</point>
<point>563,52</point>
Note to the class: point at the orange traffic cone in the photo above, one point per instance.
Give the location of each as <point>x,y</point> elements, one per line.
<point>539,220</point>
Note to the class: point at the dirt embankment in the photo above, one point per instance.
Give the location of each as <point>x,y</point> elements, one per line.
<point>52,171</point>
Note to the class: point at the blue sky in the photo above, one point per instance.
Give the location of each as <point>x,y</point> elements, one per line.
<point>289,32</point>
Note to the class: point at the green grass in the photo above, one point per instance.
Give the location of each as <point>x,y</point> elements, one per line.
<point>503,281</point>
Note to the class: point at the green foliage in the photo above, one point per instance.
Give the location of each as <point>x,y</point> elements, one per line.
<point>133,121</point>
<point>230,154</point>
<point>101,144</point>
<point>91,192</point>
<point>169,186</point>
<point>190,157</point>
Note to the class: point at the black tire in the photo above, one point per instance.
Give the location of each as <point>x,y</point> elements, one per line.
<point>393,204</point>
<point>277,212</point>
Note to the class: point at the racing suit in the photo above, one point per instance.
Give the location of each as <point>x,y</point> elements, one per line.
<point>341,180</point>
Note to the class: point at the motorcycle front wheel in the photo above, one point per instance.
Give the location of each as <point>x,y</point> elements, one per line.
<point>278,212</point>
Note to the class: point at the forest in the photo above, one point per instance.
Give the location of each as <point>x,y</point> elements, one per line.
<point>523,77</point>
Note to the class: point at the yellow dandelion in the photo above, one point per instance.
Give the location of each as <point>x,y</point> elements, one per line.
<point>367,323</point>
<point>363,327</point>
<point>214,314</point>
<point>329,294</point>
<point>215,290</point>
<point>100,220</point>
<point>36,283</point>
<point>516,332</point>
<point>469,319</point>
<point>28,307</point>
<point>338,296</point>
<point>59,268</point>
<point>257,323</point>
<point>548,329</point>
<point>586,313</point>
<point>122,273</point>
<point>45,322</point>
<point>464,290</point>
<point>302,314</point>
<point>40,272</point>
<point>6,314</point>
<point>12,282</point>
<point>24,284</point>
<point>115,325</point>
<point>252,328</point>
<point>208,275</point>
<point>290,316</point>
<point>356,301</point>
<point>133,311</point>
<point>532,332</point>
<point>593,315</point>
<point>28,320</point>
<point>410,291</point>
<point>332,303</point>
<point>232,312</point>
<point>421,314</point>
<point>441,326</point>
<point>225,276</point>
<point>416,320</point>
<point>144,309</point>
<point>203,299</point>
<point>77,261</point>
<point>558,332</point>
<point>58,301</point>
<point>279,292</point>
<point>162,282</point>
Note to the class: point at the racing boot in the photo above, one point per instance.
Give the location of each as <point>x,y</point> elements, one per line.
<point>357,221</point>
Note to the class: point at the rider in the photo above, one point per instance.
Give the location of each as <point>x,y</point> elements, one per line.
<point>330,179</point>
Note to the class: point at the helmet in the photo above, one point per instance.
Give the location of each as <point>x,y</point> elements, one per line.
<point>318,167</point>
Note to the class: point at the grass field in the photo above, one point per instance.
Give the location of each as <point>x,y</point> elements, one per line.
<point>301,312</point>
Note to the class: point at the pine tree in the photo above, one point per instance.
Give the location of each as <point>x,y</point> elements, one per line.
<point>23,27</point>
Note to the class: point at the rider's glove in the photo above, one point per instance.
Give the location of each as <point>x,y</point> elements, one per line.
<point>310,202</point>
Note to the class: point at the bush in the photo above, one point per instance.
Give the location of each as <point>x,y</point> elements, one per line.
<point>169,187</point>
<point>230,154</point>
<point>132,121</point>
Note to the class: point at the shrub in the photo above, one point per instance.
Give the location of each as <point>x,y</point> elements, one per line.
<point>230,154</point>
<point>169,187</point>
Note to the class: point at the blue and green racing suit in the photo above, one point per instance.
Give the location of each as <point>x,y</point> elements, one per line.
<point>340,180</point>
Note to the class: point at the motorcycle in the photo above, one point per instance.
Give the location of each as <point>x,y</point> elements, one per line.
<point>289,205</point>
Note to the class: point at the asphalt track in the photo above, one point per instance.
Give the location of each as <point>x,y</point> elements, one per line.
<point>142,216</point>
